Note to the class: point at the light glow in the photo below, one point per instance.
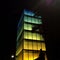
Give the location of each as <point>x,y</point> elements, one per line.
<point>33,36</point>
<point>32,20</point>
<point>12,56</point>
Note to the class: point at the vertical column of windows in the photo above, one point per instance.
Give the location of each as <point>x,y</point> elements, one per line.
<point>30,55</point>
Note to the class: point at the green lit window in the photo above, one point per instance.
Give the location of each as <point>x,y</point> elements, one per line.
<point>27,26</point>
<point>39,21</point>
<point>32,20</point>
<point>29,19</point>
<point>25,18</point>
<point>36,21</point>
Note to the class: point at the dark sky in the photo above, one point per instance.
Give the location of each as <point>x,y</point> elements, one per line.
<point>47,8</point>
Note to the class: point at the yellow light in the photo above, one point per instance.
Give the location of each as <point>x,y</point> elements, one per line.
<point>33,36</point>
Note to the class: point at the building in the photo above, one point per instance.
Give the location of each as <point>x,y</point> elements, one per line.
<point>29,43</point>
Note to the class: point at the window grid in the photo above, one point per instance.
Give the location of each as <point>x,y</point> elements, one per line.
<point>34,20</point>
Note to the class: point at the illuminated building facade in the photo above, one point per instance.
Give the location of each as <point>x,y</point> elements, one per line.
<point>29,43</point>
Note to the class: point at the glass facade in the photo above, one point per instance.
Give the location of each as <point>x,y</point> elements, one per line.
<point>32,20</point>
<point>30,42</point>
<point>34,45</point>
<point>33,36</point>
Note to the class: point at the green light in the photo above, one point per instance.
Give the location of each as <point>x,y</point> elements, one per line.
<point>32,20</point>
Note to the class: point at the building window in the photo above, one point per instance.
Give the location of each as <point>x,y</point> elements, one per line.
<point>32,20</point>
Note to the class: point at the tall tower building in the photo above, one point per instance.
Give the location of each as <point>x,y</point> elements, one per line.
<point>29,43</point>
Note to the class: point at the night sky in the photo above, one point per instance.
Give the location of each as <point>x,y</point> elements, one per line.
<point>50,10</point>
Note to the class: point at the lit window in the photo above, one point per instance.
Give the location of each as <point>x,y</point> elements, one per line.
<point>31,55</point>
<point>38,36</point>
<point>29,35</point>
<point>27,12</point>
<point>36,55</point>
<point>39,45</point>
<point>25,55</point>
<point>32,20</point>
<point>25,26</point>
<point>34,36</point>
<point>25,35</point>
<point>35,46</point>
<point>25,44</point>
<point>28,26</point>
<point>30,45</point>
<point>25,18</point>
<point>43,47</point>
<point>29,19</point>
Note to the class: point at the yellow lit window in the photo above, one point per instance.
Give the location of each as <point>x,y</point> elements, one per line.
<point>36,55</point>
<point>25,56</point>
<point>30,55</point>
<point>25,26</point>
<point>39,45</point>
<point>43,47</point>
<point>38,36</point>
<point>25,44</point>
<point>35,46</point>
<point>29,35</point>
<point>34,36</point>
<point>30,45</point>
<point>25,35</point>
